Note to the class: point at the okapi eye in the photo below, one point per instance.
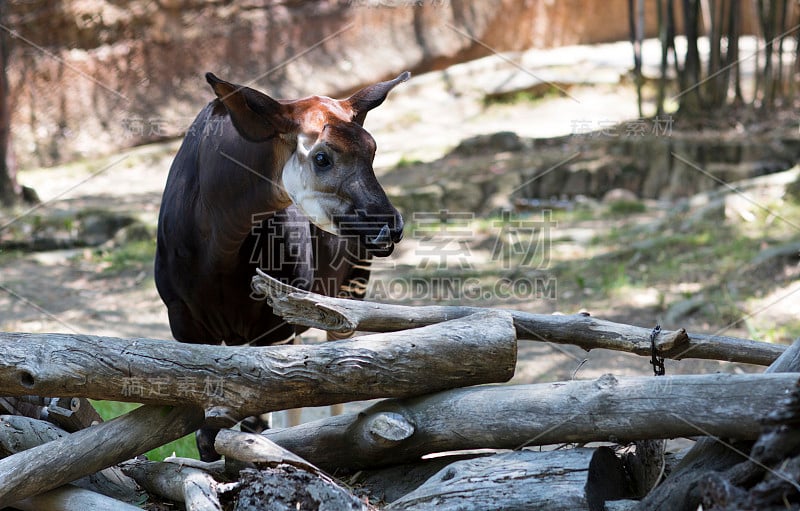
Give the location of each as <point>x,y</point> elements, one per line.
<point>322,161</point>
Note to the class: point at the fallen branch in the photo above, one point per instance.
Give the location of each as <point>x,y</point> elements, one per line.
<point>18,433</point>
<point>68,413</point>
<point>248,380</point>
<point>338,314</point>
<point>606,409</point>
<point>86,451</point>
<point>196,488</point>
<point>71,498</point>
<point>388,484</point>
<point>254,448</point>
<point>266,454</point>
<point>552,480</point>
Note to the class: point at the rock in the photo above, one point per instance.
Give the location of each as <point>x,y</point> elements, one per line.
<point>619,195</point>
<point>98,226</point>
<point>127,74</point>
<point>415,199</point>
<point>137,231</point>
<point>502,141</point>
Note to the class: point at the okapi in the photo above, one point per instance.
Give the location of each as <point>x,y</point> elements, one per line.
<point>284,185</point>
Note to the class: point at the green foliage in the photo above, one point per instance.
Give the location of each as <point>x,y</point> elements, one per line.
<point>793,191</point>
<point>535,94</point>
<point>134,255</point>
<point>626,207</point>
<point>404,162</point>
<point>183,447</point>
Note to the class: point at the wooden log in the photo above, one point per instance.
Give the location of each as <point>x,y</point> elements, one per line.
<point>388,484</point>
<point>710,454</point>
<point>254,448</point>
<point>72,498</point>
<point>27,406</point>
<point>68,413</point>
<point>18,433</point>
<point>391,483</point>
<point>266,454</point>
<point>606,409</point>
<point>768,479</point>
<point>241,381</point>
<point>337,314</point>
<point>86,451</point>
<point>546,481</point>
<point>72,413</point>
<point>194,487</point>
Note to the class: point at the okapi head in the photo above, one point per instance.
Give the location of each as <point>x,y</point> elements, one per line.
<point>323,157</point>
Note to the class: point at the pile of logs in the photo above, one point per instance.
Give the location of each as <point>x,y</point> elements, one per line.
<point>442,436</point>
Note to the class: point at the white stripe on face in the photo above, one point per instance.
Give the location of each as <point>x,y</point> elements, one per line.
<point>298,180</point>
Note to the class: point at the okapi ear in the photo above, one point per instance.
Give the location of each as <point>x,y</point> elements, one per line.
<point>371,96</point>
<point>256,116</point>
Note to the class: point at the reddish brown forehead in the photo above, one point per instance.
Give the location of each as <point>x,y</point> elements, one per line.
<point>312,114</point>
<point>331,120</point>
<point>348,137</point>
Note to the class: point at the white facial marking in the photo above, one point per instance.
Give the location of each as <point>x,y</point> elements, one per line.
<point>298,181</point>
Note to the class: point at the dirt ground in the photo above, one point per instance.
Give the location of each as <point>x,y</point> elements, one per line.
<point>79,290</point>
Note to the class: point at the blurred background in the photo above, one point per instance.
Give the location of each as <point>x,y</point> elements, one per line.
<point>636,160</point>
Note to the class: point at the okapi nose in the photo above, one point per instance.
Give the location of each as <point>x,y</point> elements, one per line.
<point>397,232</point>
<point>382,238</point>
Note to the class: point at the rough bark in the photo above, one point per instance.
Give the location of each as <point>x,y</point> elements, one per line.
<point>72,413</point>
<point>391,483</point>
<point>254,448</point>
<point>606,409</point>
<point>768,479</point>
<point>19,433</point>
<point>313,310</point>
<point>71,498</point>
<point>279,462</point>
<point>548,480</point>
<point>710,454</point>
<point>194,487</point>
<point>288,488</point>
<point>68,413</point>
<point>87,451</point>
<point>240,381</point>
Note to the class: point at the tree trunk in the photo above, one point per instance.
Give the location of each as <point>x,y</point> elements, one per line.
<point>318,311</point>
<point>606,409</point>
<point>691,102</point>
<point>10,191</point>
<point>732,55</point>
<point>233,382</point>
